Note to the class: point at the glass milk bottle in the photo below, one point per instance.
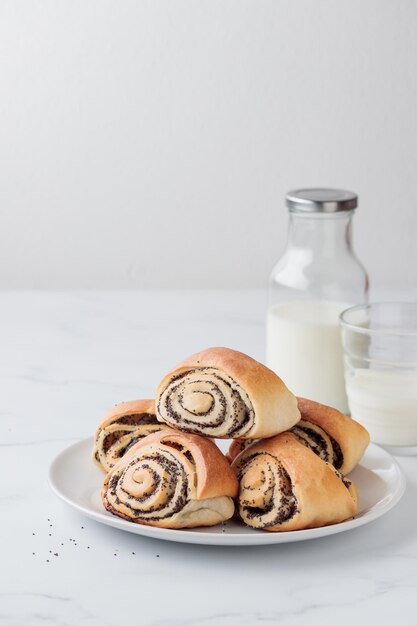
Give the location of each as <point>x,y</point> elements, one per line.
<point>317,277</point>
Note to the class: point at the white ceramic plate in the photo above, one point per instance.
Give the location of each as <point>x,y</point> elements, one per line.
<point>75,479</point>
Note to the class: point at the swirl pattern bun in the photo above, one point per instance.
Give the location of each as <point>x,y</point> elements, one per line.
<point>226,394</point>
<point>334,437</point>
<point>284,486</point>
<point>172,480</point>
<point>121,428</point>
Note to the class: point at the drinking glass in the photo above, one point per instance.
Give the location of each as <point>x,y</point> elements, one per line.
<point>380,359</point>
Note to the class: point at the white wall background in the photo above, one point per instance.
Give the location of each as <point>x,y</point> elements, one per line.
<point>151,142</point>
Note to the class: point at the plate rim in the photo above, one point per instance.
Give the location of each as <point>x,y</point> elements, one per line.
<point>191,536</point>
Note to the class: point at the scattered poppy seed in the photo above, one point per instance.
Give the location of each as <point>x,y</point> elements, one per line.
<point>50,535</point>
<point>157,555</point>
<point>133,553</point>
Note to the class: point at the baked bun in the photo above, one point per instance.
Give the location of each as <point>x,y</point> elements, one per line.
<point>284,486</point>
<point>172,480</point>
<point>333,436</point>
<point>226,394</point>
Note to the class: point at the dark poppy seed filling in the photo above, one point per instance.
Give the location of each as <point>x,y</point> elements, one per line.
<point>117,436</point>
<point>111,439</point>
<point>180,448</point>
<point>206,401</point>
<point>266,496</point>
<point>337,454</point>
<point>189,456</point>
<point>152,486</point>
<point>314,440</point>
<point>138,418</point>
<point>113,484</point>
<point>347,483</point>
<point>174,444</point>
<point>178,418</point>
<point>319,441</point>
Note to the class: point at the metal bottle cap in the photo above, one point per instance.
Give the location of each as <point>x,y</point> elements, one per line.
<point>321,200</point>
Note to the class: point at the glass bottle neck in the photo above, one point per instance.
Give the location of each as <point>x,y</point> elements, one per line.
<point>323,234</point>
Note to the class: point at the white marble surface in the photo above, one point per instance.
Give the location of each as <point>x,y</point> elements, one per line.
<point>64,359</point>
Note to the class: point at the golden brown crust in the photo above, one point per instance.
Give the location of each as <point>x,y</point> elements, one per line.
<point>211,512</point>
<point>173,480</point>
<point>321,495</point>
<point>130,407</point>
<point>215,477</point>
<point>351,436</point>
<point>274,406</point>
<point>236,447</point>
